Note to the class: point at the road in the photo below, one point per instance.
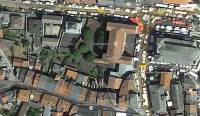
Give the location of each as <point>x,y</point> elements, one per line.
<point>9,66</point>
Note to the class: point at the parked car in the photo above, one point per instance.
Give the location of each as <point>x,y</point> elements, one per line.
<point>176,30</point>
<point>169,28</point>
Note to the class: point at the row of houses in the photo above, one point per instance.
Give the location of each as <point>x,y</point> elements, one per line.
<point>81,92</point>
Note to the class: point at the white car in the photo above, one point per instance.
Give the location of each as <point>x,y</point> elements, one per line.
<point>157,27</point>
<point>169,28</point>
<point>184,31</point>
<point>176,30</point>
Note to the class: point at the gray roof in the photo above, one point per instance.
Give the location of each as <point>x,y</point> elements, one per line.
<point>52,19</point>
<point>177,54</point>
<point>157,101</point>
<point>76,92</point>
<point>35,26</point>
<point>4,18</point>
<point>106,2</point>
<point>177,96</point>
<point>56,68</point>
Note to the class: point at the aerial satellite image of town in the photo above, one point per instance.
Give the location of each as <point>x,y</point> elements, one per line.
<point>99,57</point>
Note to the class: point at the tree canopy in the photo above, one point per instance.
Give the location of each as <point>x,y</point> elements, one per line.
<point>87,34</point>
<point>89,56</point>
<point>83,48</point>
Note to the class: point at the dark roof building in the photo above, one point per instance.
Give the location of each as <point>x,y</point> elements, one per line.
<point>177,97</point>
<point>23,109</point>
<point>35,26</point>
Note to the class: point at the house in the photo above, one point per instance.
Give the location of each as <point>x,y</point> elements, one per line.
<point>1,33</point>
<point>18,62</point>
<point>106,2</point>
<point>7,97</point>
<point>108,113</point>
<point>93,97</point>
<point>62,87</point>
<point>73,26</point>
<point>122,103</point>
<point>35,96</point>
<point>120,49</point>
<point>81,79</point>
<point>114,83</point>
<point>71,74</point>
<point>35,26</point>
<point>29,77</point>
<point>63,106</point>
<point>4,18</point>
<point>56,113</point>
<point>1,75</point>
<point>56,68</point>
<point>17,21</point>
<point>191,96</point>
<point>191,110</point>
<point>36,79</point>
<point>51,25</point>
<point>57,77</point>
<point>177,97</point>
<point>126,86</point>
<point>158,99</point>
<point>110,99</point>
<point>49,100</point>
<point>82,95</point>
<point>23,95</point>
<point>176,1</point>
<point>101,99</point>
<point>23,109</point>
<point>165,79</point>
<point>22,74</point>
<point>73,110</point>
<point>38,65</point>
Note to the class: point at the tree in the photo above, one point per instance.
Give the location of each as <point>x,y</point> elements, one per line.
<point>26,43</point>
<point>76,54</point>
<point>100,38</point>
<point>82,47</point>
<point>33,112</point>
<point>9,34</point>
<point>87,34</point>
<point>89,56</point>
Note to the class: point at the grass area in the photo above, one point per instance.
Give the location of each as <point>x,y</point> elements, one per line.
<point>34,111</point>
<point>19,52</point>
<point>58,58</point>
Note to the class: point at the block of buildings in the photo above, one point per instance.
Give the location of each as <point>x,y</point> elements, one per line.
<point>23,95</point>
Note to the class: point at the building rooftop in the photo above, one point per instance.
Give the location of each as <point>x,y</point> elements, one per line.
<point>56,113</point>
<point>49,100</point>
<point>114,83</point>
<point>17,21</point>
<point>35,96</point>
<point>117,43</point>
<point>23,109</point>
<point>4,18</point>
<point>123,104</point>
<point>126,86</point>
<point>62,87</point>
<point>177,54</point>
<point>52,19</point>
<point>1,75</point>
<point>71,74</point>
<point>23,95</point>
<point>177,97</point>
<point>158,103</point>
<point>51,30</point>
<point>176,1</point>
<point>81,1</point>
<point>35,26</point>
<point>191,109</point>
<point>63,106</point>
<point>73,110</point>
<point>165,79</point>
<point>73,27</point>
